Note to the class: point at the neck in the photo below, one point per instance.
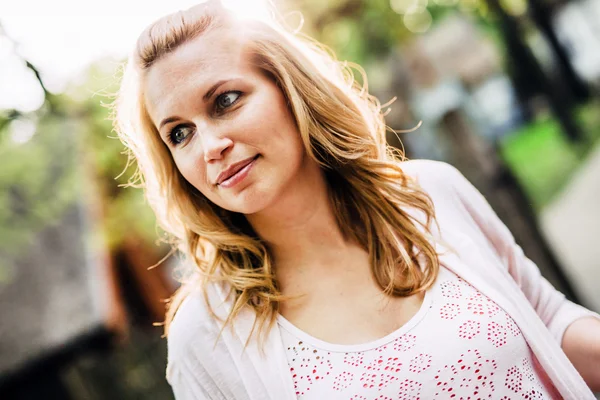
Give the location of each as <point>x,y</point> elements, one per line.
<point>301,229</point>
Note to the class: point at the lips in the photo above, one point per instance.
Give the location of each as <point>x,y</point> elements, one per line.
<point>233,169</point>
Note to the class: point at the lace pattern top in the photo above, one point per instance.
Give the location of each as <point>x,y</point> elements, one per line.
<point>459,345</point>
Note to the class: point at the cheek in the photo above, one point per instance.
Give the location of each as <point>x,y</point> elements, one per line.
<point>276,128</point>
<point>194,172</point>
<point>267,122</point>
<point>285,136</point>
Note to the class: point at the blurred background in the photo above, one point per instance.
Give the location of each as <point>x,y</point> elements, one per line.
<point>508,91</point>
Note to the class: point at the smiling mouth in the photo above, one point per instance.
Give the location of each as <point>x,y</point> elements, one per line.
<point>238,175</point>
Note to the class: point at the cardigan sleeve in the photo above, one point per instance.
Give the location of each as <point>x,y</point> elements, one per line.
<point>186,372</point>
<point>199,366</point>
<point>184,386</point>
<point>554,309</point>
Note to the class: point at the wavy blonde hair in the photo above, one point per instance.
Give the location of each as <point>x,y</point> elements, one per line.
<point>343,129</point>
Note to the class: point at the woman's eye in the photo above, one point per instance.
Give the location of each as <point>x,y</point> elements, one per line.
<point>179,134</point>
<point>227,99</point>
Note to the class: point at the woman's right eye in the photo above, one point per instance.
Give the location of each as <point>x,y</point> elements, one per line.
<point>179,134</point>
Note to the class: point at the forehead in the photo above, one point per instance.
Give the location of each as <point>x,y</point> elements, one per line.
<point>216,54</point>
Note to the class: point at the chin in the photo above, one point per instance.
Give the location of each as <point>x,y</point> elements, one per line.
<point>248,203</point>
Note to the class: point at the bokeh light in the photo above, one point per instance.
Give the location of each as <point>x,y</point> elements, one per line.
<point>417,20</point>
<point>405,6</point>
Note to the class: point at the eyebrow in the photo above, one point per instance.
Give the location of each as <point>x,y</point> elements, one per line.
<point>205,98</point>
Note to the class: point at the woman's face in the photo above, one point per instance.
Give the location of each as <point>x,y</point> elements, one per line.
<point>226,124</point>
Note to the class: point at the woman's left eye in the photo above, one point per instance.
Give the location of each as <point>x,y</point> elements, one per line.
<point>227,99</point>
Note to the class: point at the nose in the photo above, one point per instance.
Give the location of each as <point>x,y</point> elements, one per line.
<point>215,146</point>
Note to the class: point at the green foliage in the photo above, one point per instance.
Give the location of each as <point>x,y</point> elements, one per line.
<point>362,31</point>
<point>357,31</point>
<point>38,181</point>
<point>543,159</point>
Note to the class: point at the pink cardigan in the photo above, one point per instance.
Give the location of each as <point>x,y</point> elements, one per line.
<point>477,247</point>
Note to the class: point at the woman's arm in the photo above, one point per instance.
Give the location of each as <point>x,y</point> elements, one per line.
<point>576,328</point>
<point>581,343</point>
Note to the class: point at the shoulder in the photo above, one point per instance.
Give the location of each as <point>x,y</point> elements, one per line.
<point>458,205</point>
<point>440,180</point>
<point>192,321</point>
<point>431,174</point>
<point>194,342</point>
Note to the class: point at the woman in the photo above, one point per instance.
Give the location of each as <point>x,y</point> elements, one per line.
<point>326,266</point>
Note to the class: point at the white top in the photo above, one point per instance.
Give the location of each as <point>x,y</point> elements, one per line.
<point>460,344</point>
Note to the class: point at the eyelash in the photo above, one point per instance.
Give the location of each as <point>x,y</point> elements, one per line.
<point>217,97</point>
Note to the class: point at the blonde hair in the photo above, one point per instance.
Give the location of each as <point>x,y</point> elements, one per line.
<point>342,127</point>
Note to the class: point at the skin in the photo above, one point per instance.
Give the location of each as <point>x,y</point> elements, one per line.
<point>284,197</point>
<point>581,343</point>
